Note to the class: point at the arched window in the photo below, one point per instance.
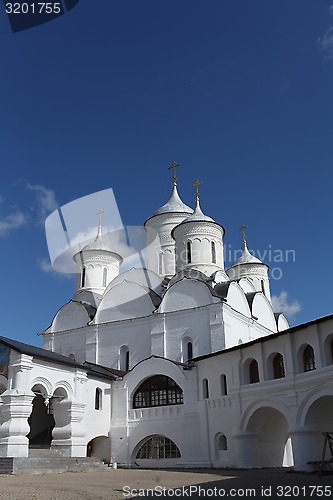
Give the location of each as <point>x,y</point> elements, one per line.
<point>158,447</point>
<point>308,359</point>
<point>213,252</point>
<point>262,286</point>
<point>83,277</point>
<point>278,366</point>
<point>222,443</point>
<point>253,372</point>
<point>98,399</point>
<point>105,276</point>
<point>205,388</point>
<point>223,384</point>
<point>124,358</point>
<point>189,350</point>
<point>188,252</point>
<point>159,390</point>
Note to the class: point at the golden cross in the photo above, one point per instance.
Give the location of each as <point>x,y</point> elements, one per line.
<point>174,165</point>
<point>100,213</point>
<point>196,184</point>
<point>243,233</point>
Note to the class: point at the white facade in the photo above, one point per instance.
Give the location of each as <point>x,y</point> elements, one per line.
<point>184,364</point>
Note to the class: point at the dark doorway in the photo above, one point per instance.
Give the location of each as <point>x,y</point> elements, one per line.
<point>41,423</point>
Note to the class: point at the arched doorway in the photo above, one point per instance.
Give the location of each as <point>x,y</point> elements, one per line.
<point>41,420</point>
<point>319,418</point>
<point>99,447</point>
<point>272,443</point>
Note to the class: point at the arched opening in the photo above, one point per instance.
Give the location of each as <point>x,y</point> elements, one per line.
<point>98,398</point>
<point>328,350</point>
<point>187,349</point>
<point>205,388</point>
<point>223,385</point>
<point>253,372</point>
<point>124,358</point>
<point>83,277</point>
<point>99,447</point>
<point>308,359</point>
<point>278,366</point>
<point>159,390</point>
<point>262,284</point>
<point>41,420</point>
<point>221,446</point>
<point>213,251</point>
<point>158,447</point>
<point>188,252</point>
<point>319,418</point>
<point>272,446</point>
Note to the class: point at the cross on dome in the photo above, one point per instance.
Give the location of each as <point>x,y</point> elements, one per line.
<point>174,166</point>
<point>196,184</point>
<point>242,228</point>
<point>100,215</point>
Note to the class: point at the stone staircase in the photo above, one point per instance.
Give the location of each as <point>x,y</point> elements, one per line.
<point>43,460</point>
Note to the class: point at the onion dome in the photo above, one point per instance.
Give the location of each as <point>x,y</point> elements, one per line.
<point>246,258</point>
<point>173,205</point>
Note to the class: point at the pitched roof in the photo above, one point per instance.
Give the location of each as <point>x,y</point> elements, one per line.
<point>54,357</point>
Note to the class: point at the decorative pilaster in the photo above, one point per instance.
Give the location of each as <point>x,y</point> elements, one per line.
<point>68,433</point>
<point>16,408</point>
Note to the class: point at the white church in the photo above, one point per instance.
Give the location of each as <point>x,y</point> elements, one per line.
<point>181,363</point>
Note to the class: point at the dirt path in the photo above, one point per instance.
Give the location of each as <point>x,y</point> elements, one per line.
<point>109,484</point>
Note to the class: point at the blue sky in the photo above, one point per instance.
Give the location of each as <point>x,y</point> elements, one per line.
<point>108,95</point>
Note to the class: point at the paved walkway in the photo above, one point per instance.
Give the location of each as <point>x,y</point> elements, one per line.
<point>107,484</point>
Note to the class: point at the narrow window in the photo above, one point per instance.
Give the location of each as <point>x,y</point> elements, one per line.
<point>278,366</point>
<point>223,382</point>
<point>253,372</point>
<point>222,442</point>
<point>124,358</point>
<point>83,277</point>
<point>98,399</point>
<point>308,359</point>
<point>213,252</point>
<point>189,350</point>
<point>205,388</point>
<point>262,286</point>
<point>189,252</point>
<point>105,276</point>
<point>160,263</point>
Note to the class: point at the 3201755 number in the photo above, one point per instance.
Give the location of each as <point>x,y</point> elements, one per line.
<point>33,8</point>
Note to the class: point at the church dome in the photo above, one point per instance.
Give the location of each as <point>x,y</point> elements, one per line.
<point>198,216</point>
<point>173,205</point>
<point>246,258</point>
<point>97,244</point>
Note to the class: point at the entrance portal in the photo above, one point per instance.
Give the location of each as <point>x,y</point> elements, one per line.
<point>41,423</point>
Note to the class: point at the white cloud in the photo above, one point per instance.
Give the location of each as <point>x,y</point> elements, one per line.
<point>326,43</point>
<point>45,200</point>
<point>10,222</point>
<point>282,304</point>
<point>46,266</point>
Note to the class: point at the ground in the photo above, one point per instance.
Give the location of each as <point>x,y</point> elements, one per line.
<point>108,484</point>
